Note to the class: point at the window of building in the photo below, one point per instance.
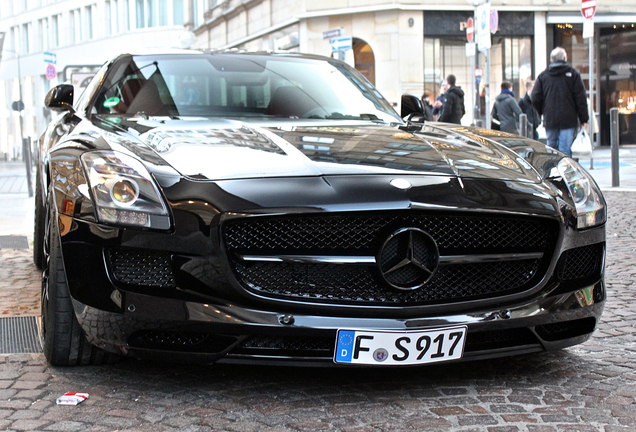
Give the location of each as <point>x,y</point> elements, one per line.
<point>76,26</point>
<point>198,7</point>
<point>55,31</point>
<point>26,38</point>
<point>89,23</point>
<point>108,21</point>
<point>177,12</point>
<point>43,34</point>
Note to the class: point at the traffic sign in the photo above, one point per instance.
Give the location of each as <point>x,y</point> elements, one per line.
<point>494,21</point>
<point>588,8</point>
<point>470,30</point>
<point>50,57</point>
<point>341,44</point>
<point>51,73</point>
<point>482,26</point>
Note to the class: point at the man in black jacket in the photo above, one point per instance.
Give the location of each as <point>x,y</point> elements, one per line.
<point>534,119</point>
<point>559,96</point>
<point>453,104</point>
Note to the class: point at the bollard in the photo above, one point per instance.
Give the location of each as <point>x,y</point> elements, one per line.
<point>523,125</point>
<point>614,146</point>
<point>26,156</point>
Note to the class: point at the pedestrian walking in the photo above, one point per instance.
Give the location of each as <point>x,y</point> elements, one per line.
<point>437,106</point>
<point>507,110</point>
<point>453,105</point>
<point>534,119</point>
<point>559,96</point>
<point>427,107</point>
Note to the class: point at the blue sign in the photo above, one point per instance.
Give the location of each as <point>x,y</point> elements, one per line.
<point>50,57</point>
<point>341,44</point>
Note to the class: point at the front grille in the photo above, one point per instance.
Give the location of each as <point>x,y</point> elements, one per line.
<point>581,263</point>
<point>364,235</point>
<point>140,267</point>
<point>348,233</point>
<point>287,346</point>
<point>180,341</point>
<point>358,284</point>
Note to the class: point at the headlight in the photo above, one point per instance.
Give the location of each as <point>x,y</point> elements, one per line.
<point>123,191</point>
<point>589,202</point>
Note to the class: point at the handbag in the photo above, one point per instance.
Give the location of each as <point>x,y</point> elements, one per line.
<point>582,144</point>
<point>495,124</point>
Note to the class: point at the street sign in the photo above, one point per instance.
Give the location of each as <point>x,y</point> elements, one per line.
<point>482,26</point>
<point>470,49</point>
<point>470,30</point>
<point>51,73</point>
<point>341,44</point>
<point>494,21</point>
<point>588,8</point>
<point>334,33</point>
<point>479,72</point>
<point>50,57</point>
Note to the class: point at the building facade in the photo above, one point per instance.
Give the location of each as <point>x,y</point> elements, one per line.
<point>409,46</point>
<point>49,42</point>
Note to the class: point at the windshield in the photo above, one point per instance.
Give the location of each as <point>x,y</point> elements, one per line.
<point>240,85</point>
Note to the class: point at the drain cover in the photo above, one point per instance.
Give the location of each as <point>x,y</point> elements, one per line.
<point>14,242</point>
<point>19,335</point>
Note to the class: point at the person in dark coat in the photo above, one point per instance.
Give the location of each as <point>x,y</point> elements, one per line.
<point>453,106</point>
<point>559,96</point>
<point>427,107</point>
<point>507,110</point>
<point>534,119</point>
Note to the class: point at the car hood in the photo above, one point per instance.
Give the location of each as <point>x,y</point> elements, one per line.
<point>226,149</point>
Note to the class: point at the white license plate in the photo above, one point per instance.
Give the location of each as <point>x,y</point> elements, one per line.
<point>380,347</point>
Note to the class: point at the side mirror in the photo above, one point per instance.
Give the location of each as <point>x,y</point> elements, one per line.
<point>411,105</point>
<point>60,98</point>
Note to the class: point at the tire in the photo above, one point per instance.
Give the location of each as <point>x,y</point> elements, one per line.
<point>39,223</point>
<point>63,340</point>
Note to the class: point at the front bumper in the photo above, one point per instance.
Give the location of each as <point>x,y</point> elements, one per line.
<point>206,333</point>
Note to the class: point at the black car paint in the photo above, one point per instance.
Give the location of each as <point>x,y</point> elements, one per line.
<point>451,168</point>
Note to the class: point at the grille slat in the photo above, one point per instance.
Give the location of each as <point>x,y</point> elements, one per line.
<point>364,235</point>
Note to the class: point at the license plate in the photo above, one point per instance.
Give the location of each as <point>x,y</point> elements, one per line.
<point>384,347</point>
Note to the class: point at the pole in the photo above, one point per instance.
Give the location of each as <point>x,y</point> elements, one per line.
<point>614,146</point>
<point>472,86</point>
<point>523,125</point>
<point>591,107</point>
<point>26,146</point>
<point>487,88</point>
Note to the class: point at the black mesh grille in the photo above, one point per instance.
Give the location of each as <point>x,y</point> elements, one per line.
<point>357,284</point>
<point>581,262</point>
<point>365,234</point>
<point>266,343</point>
<point>139,267</point>
<point>452,233</point>
<point>180,340</point>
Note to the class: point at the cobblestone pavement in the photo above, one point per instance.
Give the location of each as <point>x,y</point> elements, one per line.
<point>590,387</point>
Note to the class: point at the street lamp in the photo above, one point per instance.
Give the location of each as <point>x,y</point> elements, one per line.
<point>19,107</point>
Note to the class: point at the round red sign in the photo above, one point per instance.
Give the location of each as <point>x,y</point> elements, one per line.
<point>51,73</point>
<point>588,8</point>
<point>470,30</point>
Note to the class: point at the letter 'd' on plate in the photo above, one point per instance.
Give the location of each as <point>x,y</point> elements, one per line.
<point>380,347</point>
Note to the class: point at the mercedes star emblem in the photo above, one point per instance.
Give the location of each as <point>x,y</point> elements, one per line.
<point>408,259</point>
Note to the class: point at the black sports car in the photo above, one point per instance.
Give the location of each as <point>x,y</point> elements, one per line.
<point>263,207</point>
